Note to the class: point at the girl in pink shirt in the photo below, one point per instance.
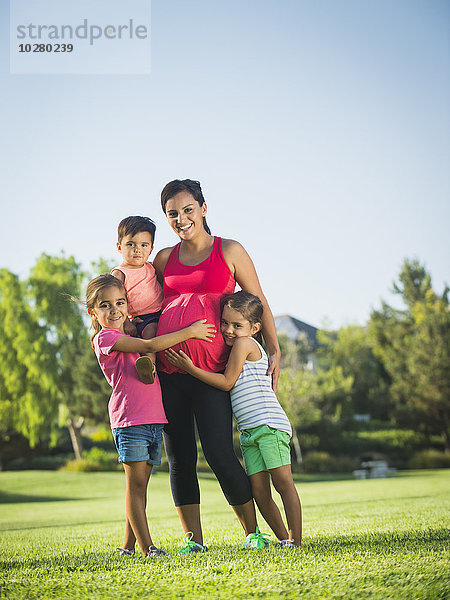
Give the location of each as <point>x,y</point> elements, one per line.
<point>135,409</point>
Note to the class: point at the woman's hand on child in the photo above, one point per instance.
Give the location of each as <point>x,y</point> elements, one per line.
<point>274,370</point>
<point>203,331</point>
<point>179,359</point>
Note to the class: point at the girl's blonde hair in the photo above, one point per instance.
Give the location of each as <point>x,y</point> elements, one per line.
<point>249,306</point>
<point>95,286</point>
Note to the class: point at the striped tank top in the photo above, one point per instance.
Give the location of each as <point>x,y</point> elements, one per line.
<point>253,400</point>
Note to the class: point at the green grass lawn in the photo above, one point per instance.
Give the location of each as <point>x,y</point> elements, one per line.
<point>375,539</point>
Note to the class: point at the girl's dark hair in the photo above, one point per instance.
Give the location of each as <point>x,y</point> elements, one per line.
<point>95,286</point>
<point>184,185</point>
<point>250,307</point>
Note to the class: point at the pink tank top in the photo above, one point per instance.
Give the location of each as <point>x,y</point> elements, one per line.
<point>143,290</point>
<point>192,293</point>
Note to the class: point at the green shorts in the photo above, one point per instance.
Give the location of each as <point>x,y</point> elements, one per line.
<point>264,448</point>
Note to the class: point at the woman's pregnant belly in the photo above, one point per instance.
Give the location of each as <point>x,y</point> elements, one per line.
<point>181,312</point>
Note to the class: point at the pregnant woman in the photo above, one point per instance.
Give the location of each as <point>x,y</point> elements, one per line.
<point>196,273</point>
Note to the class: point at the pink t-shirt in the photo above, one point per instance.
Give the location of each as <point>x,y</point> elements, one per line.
<point>143,290</point>
<point>132,402</point>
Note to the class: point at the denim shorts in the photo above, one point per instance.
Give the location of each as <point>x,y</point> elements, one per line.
<point>139,443</point>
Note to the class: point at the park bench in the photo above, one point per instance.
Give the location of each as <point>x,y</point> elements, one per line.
<point>373,469</point>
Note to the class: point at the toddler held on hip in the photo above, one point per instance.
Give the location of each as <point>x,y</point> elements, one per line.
<point>135,410</point>
<point>264,428</point>
<point>136,238</point>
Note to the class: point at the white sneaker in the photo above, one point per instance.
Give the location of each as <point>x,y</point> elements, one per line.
<point>125,551</point>
<point>286,544</point>
<point>154,552</point>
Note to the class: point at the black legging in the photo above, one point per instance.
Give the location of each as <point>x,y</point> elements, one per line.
<point>185,397</point>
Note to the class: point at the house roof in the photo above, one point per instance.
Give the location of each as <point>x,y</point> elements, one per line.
<point>292,327</point>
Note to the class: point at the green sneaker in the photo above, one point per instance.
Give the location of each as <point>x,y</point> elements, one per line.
<point>190,546</point>
<point>257,540</point>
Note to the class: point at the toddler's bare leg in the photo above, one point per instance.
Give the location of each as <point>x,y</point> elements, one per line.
<point>148,333</point>
<point>145,364</point>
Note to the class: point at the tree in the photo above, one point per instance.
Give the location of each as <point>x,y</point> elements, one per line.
<point>312,399</point>
<point>294,352</point>
<point>352,349</point>
<point>52,284</point>
<point>414,345</point>
<point>49,375</point>
<point>297,394</point>
<point>28,377</point>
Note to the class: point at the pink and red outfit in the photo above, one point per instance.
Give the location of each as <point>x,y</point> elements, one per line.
<point>144,293</point>
<point>192,293</point>
<point>143,289</point>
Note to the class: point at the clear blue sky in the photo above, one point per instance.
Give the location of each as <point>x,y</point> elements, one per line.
<point>319,132</point>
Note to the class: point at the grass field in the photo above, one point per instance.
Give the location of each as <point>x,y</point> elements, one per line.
<point>375,539</point>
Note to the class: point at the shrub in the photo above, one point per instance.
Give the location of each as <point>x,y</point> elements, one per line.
<point>322,462</point>
<point>41,463</point>
<point>393,439</point>
<point>102,434</point>
<point>81,466</point>
<point>430,459</point>
<point>94,459</point>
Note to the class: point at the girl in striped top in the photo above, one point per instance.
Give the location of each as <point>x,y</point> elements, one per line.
<point>264,428</point>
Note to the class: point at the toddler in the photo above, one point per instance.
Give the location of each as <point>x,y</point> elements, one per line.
<point>136,236</point>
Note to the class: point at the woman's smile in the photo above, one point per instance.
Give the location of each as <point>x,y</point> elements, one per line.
<point>185,215</point>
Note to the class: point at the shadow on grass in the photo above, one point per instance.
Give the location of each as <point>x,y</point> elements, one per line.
<point>298,477</point>
<point>376,544</point>
<point>11,498</point>
<point>60,525</point>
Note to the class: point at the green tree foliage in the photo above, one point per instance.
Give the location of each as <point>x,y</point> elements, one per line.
<point>352,349</point>
<point>49,373</point>
<point>297,395</point>
<point>28,376</point>
<point>414,345</point>
<point>312,399</point>
<point>294,353</point>
<point>83,391</point>
<point>334,389</point>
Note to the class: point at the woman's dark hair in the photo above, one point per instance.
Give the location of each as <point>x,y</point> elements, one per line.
<point>184,185</point>
<point>249,306</point>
